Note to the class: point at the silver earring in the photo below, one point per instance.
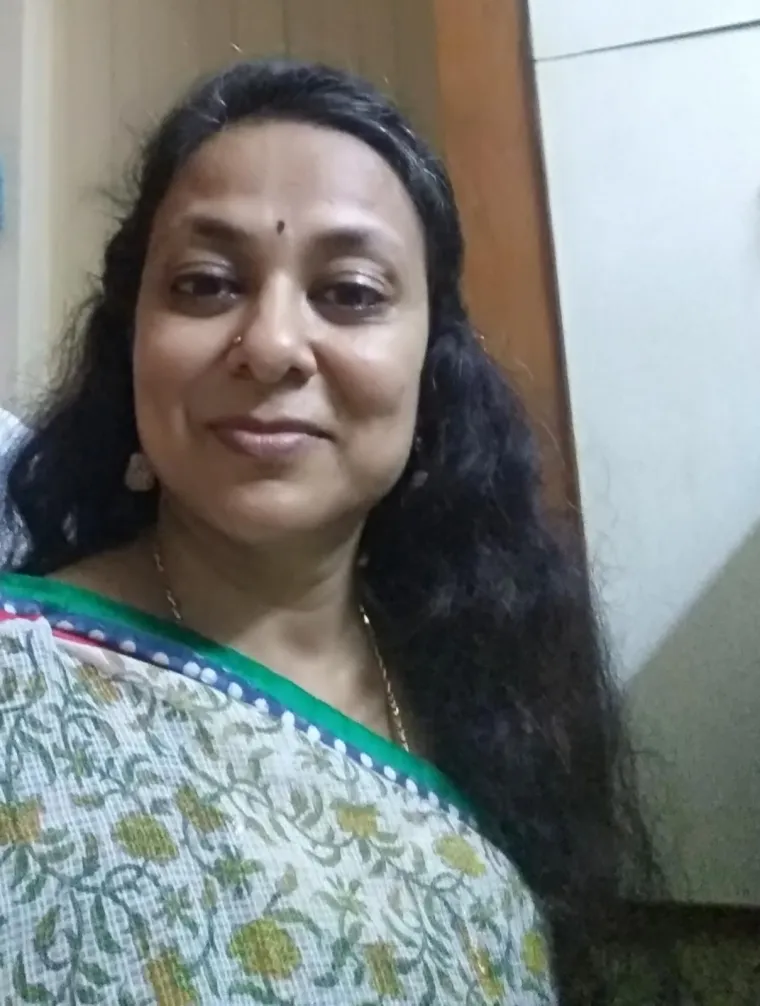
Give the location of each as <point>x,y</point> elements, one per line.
<point>139,476</point>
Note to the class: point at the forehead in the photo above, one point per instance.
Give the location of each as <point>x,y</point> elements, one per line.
<point>295,172</point>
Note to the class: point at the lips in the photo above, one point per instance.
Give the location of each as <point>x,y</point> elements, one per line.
<point>284,425</point>
<point>267,439</point>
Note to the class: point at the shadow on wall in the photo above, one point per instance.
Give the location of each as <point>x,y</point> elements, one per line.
<point>695,709</point>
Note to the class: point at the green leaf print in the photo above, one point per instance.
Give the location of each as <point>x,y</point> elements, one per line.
<point>55,856</point>
<point>341,949</point>
<point>103,938</point>
<point>251,991</point>
<point>209,899</point>
<point>41,752</point>
<point>203,815</point>
<point>92,801</point>
<point>44,932</point>
<point>91,858</point>
<point>9,686</point>
<point>145,837</point>
<point>53,836</point>
<point>288,882</point>
<point>34,889</point>
<point>20,868</point>
<point>140,933</point>
<point>262,947</point>
<point>28,993</point>
<point>95,975</point>
<point>290,916</point>
<point>326,981</point>
<point>87,996</point>
<point>35,687</point>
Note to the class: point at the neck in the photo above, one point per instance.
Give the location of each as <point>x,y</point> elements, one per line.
<point>309,579</point>
<point>290,606</point>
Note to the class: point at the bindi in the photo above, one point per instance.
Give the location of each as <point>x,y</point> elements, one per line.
<point>280,226</point>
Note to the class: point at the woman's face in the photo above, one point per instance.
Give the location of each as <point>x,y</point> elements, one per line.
<point>281,329</point>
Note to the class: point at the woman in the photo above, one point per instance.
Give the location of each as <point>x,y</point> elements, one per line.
<point>302,703</point>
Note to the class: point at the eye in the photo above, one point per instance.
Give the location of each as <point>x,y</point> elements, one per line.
<point>206,289</point>
<point>350,298</point>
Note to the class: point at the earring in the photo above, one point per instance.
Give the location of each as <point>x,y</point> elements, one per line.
<point>139,476</point>
<point>419,477</point>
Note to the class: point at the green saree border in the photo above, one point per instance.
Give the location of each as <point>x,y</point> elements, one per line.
<point>87,603</point>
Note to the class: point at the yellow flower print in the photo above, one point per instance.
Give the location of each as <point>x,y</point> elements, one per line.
<point>457,853</point>
<point>201,814</point>
<point>482,965</point>
<point>357,819</point>
<point>381,961</point>
<point>535,954</point>
<point>264,948</point>
<point>20,822</point>
<point>170,980</point>
<point>98,685</point>
<point>144,837</point>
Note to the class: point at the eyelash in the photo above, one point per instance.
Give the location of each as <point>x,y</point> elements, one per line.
<point>371,298</point>
<point>204,277</point>
<point>343,299</point>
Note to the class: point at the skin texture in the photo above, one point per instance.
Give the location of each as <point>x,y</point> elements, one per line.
<point>284,281</point>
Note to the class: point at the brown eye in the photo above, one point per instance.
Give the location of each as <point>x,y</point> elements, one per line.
<point>206,288</point>
<point>350,299</point>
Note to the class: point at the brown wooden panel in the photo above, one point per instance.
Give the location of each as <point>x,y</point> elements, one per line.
<point>324,30</point>
<point>416,84</point>
<point>259,27</point>
<point>376,39</point>
<point>488,130</point>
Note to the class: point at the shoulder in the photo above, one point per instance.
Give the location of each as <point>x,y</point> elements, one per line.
<point>123,576</point>
<point>10,428</point>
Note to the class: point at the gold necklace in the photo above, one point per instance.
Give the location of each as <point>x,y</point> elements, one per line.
<point>396,723</point>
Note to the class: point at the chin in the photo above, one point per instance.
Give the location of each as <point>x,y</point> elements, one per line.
<point>257,516</point>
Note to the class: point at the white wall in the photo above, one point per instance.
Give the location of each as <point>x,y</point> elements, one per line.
<point>25,245</point>
<point>653,162</point>
<point>10,140</point>
<point>567,27</point>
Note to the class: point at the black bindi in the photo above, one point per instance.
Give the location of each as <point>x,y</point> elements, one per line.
<point>280,226</point>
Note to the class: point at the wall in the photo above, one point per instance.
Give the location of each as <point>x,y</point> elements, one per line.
<point>561,29</point>
<point>25,245</point>
<point>11,27</point>
<point>653,168</point>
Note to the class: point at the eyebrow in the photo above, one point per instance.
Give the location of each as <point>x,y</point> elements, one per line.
<point>346,239</point>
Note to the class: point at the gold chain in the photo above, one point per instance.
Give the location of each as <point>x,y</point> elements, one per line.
<point>396,722</point>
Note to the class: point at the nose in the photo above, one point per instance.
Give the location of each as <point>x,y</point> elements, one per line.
<point>272,342</point>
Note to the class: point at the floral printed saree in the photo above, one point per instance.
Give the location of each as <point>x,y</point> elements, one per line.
<point>179,825</point>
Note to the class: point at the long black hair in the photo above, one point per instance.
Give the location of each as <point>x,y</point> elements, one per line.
<point>482,613</point>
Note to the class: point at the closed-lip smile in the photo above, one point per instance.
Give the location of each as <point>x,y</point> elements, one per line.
<point>278,438</point>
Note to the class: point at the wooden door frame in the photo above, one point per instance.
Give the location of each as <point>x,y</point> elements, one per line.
<point>488,125</point>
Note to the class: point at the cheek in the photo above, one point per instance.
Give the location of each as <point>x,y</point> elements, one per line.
<point>171,353</point>
<point>381,379</point>
<point>165,367</point>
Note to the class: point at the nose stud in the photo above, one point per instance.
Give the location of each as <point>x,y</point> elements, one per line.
<point>238,340</point>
